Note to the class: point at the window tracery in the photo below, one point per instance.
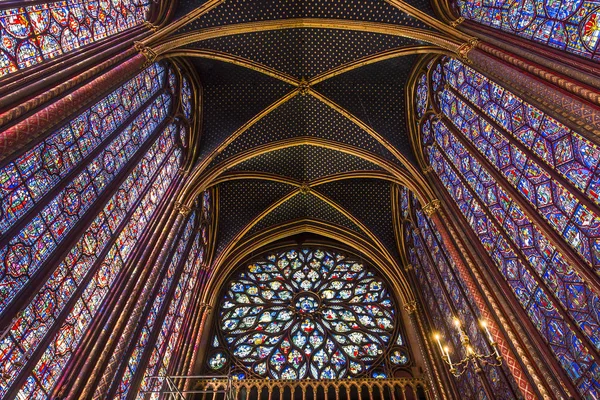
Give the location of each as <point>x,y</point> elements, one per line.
<point>102,175</point>
<point>494,153</point>
<point>308,313</point>
<point>570,25</point>
<point>33,34</point>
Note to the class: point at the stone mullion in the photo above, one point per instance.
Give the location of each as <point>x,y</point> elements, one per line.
<point>188,329</point>
<point>136,301</point>
<point>93,355</point>
<point>507,304</point>
<point>99,322</point>
<point>441,382</point>
<point>39,123</point>
<point>48,267</point>
<point>582,198</point>
<point>574,259</point>
<point>516,370</point>
<point>446,329</point>
<point>498,338</point>
<point>580,115</point>
<point>205,311</point>
<point>68,178</point>
<point>149,347</point>
<point>536,53</point>
<point>59,256</point>
<point>551,296</point>
<point>19,87</point>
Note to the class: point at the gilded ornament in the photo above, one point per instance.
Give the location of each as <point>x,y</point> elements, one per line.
<point>430,208</point>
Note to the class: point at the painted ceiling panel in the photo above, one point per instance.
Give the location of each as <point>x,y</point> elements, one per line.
<point>306,163</point>
<point>375,94</point>
<point>242,201</point>
<point>304,116</point>
<point>240,11</point>
<point>304,206</point>
<point>232,95</point>
<point>304,53</point>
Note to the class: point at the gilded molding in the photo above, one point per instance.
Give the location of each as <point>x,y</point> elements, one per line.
<point>465,48</point>
<point>146,51</point>
<point>457,22</point>
<point>410,307</point>
<point>150,26</point>
<point>303,86</point>
<point>182,209</point>
<point>430,208</point>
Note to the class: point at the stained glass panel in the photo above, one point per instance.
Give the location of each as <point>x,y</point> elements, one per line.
<point>562,340</point>
<point>568,25</point>
<point>32,34</point>
<point>159,300</point>
<point>307,313</point>
<point>29,248</point>
<point>31,176</point>
<point>149,182</point>
<point>186,98</point>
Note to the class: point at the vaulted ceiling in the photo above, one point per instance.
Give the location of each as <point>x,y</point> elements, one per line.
<point>303,116</point>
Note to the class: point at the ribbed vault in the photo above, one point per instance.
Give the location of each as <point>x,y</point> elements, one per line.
<point>303,113</point>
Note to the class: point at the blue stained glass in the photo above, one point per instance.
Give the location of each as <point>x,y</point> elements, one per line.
<point>155,306</point>
<point>57,355</point>
<point>30,248</point>
<point>33,34</point>
<point>570,25</point>
<point>26,180</point>
<point>186,98</point>
<point>31,326</point>
<point>171,327</point>
<point>307,313</point>
<point>533,299</point>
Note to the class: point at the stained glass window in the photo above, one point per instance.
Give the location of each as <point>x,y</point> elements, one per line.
<point>186,98</point>
<point>32,34</point>
<point>447,295</point>
<point>65,341</point>
<point>159,299</point>
<point>306,313</point>
<point>179,307</point>
<point>101,176</point>
<point>27,248</point>
<point>568,25</point>
<point>487,130</point>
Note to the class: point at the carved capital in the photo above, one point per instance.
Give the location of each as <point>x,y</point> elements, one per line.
<point>411,307</point>
<point>146,51</point>
<point>430,208</point>
<point>408,267</point>
<point>183,171</point>
<point>457,22</point>
<point>183,208</point>
<point>150,26</point>
<point>427,170</point>
<point>465,48</point>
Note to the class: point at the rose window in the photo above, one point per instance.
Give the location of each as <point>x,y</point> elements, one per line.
<point>305,314</point>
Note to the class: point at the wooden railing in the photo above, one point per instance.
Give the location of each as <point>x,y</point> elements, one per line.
<point>223,388</point>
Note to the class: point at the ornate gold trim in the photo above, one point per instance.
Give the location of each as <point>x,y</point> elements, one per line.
<point>430,208</point>
<point>446,42</point>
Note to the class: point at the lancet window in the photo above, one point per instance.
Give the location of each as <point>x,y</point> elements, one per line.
<point>526,186</point>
